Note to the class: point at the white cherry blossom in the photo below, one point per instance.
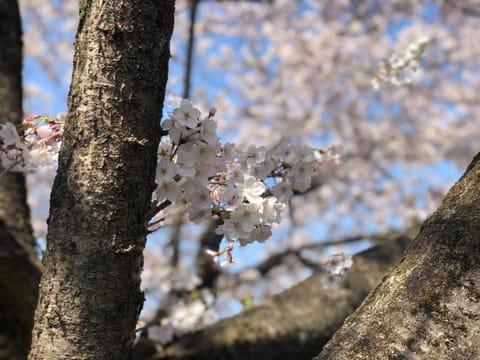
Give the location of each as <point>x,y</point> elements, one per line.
<point>186,114</point>
<point>251,189</point>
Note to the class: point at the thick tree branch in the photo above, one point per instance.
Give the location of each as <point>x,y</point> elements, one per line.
<point>207,270</point>
<point>427,307</point>
<point>296,322</point>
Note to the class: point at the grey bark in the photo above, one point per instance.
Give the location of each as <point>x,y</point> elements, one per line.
<point>295,323</point>
<point>19,274</point>
<point>428,306</point>
<point>90,289</point>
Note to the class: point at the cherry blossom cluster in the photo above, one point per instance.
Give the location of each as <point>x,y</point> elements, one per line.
<point>185,306</point>
<point>39,145</point>
<point>399,69</point>
<point>184,317</point>
<point>13,152</point>
<point>248,190</point>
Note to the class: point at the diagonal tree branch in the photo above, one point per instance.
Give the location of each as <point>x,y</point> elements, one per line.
<point>427,307</point>
<point>296,322</point>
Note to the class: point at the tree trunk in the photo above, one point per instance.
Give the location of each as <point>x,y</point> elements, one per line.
<point>293,324</point>
<point>19,279</point>
<point>428,306</point>
<point>90,290</point>
<point>19,275</point>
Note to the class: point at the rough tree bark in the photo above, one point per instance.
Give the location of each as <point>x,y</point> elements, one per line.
<point>90,289</point>
<point>295,323</point>
<point>19,274</point>
<point>19,279</point>
<point>428,306</point>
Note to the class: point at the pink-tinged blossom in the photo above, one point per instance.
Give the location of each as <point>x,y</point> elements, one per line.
<point>226,195</point>
<point>166,169</point>
<point>399,69</point>
<point>165,147</point>
<point>287,153</point>
<point>15,158</point>
<point>202,174</point>
<point>302,170</point>
<point>197,194</point>
<point>261,171</point>
<point>38,147</point>
<point>185,161</point>
<point>249,214</point>
<point>198,214</point>
<point>282,191</point>
<point>235,172</point>
<point>260,234</point>
<point>301,184</point>
<point>183,318</point>
<point>208,130</point>
<point>44,131</point>
<point>233,228</point>
<point>206,154</point>
<point>331,281</point>
<point>336,268</point>
<point>186,114</point>
<point>9,134</point>
<point>255,155</point>
<point>229,152</point>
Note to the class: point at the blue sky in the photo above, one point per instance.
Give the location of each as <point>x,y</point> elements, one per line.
<point>438,173</point>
